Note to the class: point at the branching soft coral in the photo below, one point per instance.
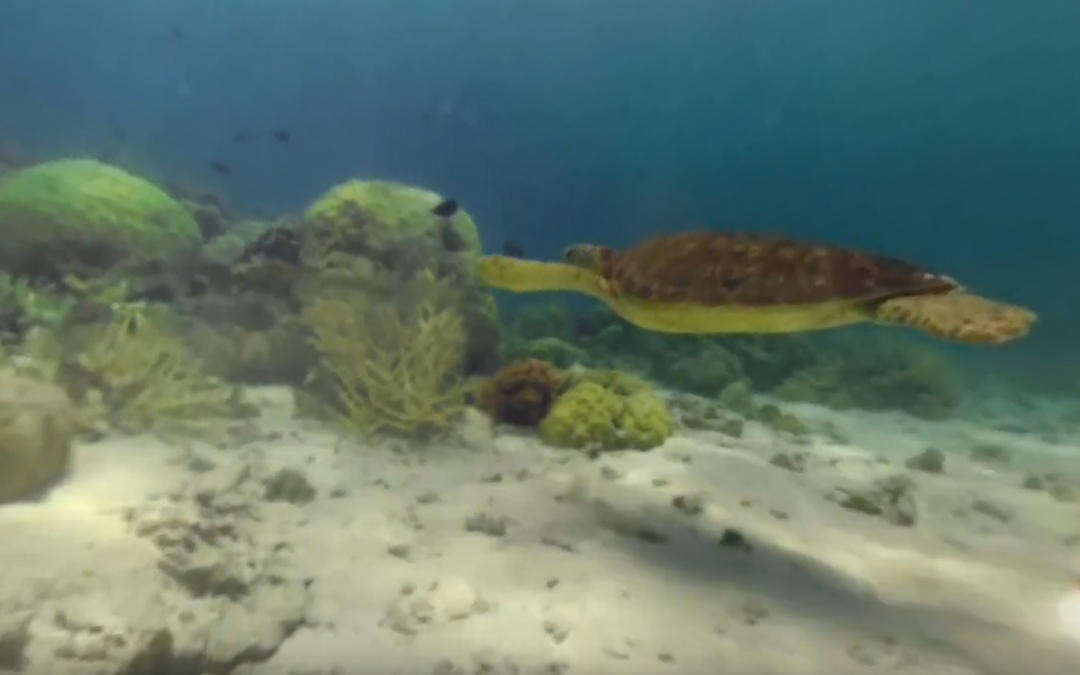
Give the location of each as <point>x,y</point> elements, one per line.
<point>397,371</point>
<point>145,375</point>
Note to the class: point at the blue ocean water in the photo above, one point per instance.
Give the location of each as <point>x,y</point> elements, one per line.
<point>941,132</point>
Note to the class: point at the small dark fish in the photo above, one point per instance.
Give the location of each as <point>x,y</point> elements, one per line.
<point>450,238</point>
<point>446,208</point>
<point>282,136</point>
<point>177,34</point>
<point>243,136</point>
<point>513,250</point>
<point>221,168</point>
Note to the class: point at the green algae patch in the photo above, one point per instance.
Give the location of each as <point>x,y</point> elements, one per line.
<point>405,209</point>
<point>80,216</point>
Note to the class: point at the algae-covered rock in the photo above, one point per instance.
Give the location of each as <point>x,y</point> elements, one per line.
<point>289,485</point>
<point>36,428</point>
<point>407,210</point>
<point>707,372</point>
<point>84,217</point>
<point>781,421</point>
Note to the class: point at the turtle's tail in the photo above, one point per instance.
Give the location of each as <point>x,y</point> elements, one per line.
<point>532,276</point>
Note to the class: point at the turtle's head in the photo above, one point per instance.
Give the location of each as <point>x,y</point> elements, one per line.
<point>589,256</point>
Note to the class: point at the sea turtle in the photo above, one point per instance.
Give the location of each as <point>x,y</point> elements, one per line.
<point>711,283</point>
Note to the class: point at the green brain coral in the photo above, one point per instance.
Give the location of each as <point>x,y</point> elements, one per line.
<point>592,416</point>
<point>405,209</point>
<point>83,216</point>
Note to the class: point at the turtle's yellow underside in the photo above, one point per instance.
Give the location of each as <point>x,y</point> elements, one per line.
<point>530,276</point>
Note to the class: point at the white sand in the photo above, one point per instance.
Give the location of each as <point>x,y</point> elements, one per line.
<point>495,554</point>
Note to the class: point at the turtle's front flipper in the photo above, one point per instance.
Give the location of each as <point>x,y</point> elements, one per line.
<point>958,316</point>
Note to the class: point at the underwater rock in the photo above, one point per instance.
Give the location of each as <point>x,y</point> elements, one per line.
<point>930,460</point>
<point>211,221</point>
<point>992,510</point>
<point>279,244</point>
<point>1055,485</point>
<point>990,453</point>
<point>82,217</point>
<point>228,248</point>
<point>732,426</point>
<point>205,534</point>
<point>891,498</point>
<point>708,372</point>
<point>14,638</point>
<point>772,416</point>
<point>37,424</point>
<point>737,397</point>
<point>436,604</point>
<point>791,461</point>
<point>289,485</point>
<point>521,393</point>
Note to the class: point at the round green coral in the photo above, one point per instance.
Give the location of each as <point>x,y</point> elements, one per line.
<point>79,215</point>
<point>404,208</point>
<point>592,416</point>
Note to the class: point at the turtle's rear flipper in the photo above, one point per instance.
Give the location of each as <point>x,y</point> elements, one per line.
<point>958,316</point>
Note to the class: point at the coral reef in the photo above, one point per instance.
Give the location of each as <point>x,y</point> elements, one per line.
<point>878,373</point>
<point>392,369</point>
<point>864,368</point>
<point>377,236</point>
<point>372,240</point>
<point>36,429</point>
<point>707,371</point>
<point>83,217</point>
<point>23,307</point>
<point>607,410</point>
<point>521,393</point>
<point>143,375</point>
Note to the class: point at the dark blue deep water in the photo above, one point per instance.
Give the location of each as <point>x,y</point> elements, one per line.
<point>946,132</point>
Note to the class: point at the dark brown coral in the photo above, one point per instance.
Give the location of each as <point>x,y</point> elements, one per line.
<point>521,393</point>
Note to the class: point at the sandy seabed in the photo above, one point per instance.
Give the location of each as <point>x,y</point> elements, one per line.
<point>273,547</point>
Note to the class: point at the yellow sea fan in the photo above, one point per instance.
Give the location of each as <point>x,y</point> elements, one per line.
<point>395,370</point>
<point>145,375</point>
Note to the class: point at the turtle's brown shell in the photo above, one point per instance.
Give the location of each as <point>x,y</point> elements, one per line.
<point>713,269</point>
